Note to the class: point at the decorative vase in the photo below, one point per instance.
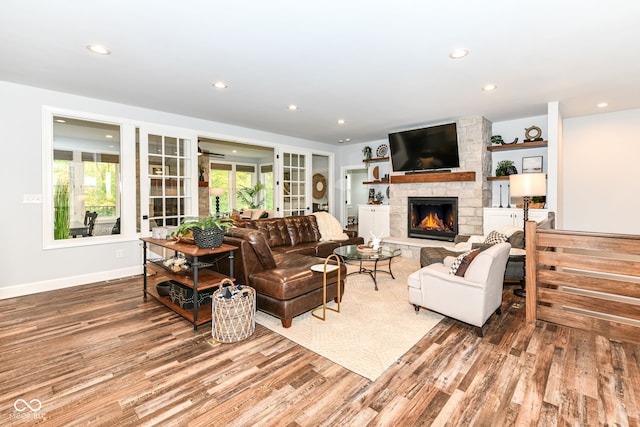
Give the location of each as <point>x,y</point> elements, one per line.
<point>209,238</point>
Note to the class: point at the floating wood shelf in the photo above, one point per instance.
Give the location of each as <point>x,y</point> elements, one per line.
<point>378,159</point>
<point>433,177</point>
<point>382,181</point>
<point>505,147</point>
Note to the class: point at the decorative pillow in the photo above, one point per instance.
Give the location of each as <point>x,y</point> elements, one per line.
<point>495,237</point>
<point>466,261</point>
<point>257,213</point>
<point>456,262</point>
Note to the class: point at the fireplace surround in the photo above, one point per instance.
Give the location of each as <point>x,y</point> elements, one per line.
<point>432,217</point>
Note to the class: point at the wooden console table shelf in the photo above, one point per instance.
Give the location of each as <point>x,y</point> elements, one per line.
<point>200,279</point>
<point>433,177</point>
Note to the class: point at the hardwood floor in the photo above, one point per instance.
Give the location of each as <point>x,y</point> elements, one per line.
<point>100,355</point>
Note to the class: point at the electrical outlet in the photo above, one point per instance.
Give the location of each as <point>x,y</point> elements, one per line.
<point>119,253</point>
<point>31,198</point>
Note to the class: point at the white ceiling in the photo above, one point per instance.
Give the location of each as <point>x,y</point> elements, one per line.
<point>382,66</point>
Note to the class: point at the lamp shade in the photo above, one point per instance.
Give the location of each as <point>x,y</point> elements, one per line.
<point>217,191</point>
<point>528,184</point>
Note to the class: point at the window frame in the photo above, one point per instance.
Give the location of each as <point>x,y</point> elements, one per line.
<point>127,174</point>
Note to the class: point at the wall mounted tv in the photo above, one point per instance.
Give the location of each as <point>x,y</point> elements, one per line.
<point>426,149</point>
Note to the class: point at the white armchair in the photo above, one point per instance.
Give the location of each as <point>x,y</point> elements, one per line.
<point>471,298</point>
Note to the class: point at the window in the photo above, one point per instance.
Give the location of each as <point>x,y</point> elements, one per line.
<point>239,181</point>
<point>85,178</point>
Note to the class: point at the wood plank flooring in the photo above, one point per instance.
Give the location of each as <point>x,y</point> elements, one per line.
<point>100,355</point>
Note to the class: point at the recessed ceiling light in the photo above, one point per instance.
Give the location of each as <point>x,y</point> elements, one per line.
<point>293,107</point>
<point>99,49</point>
<point>489,87</point>
<point>61,121</point>
<point>603,104</point>
<point>459,53</point>
<point>341,121</point>
<point>220,85</point>
<point>347,139</point>
<point>108,136</point>
<point>340,141</point>
<point>234,151</point>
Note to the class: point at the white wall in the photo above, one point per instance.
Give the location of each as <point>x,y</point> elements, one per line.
<point>26,267</point>
<point>601,169</point>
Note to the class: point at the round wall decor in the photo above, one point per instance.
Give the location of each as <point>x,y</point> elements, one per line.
<point>319,186</point>
<point>382,150</point>
<point>533,133</point>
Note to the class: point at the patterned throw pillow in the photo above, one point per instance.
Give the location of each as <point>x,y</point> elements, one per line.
<point>466,262</point>
<point>457,262</point>
<point>495,237</point>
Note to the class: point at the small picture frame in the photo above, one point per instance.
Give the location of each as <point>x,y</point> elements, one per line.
<point>532,164</point>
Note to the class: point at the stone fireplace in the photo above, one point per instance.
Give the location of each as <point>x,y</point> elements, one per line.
<point>474,136</point>
<point>432,218</point>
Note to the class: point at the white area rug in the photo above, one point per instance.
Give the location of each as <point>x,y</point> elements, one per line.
<point>373,329</point>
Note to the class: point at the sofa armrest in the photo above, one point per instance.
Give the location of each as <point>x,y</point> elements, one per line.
<point>351,233</point>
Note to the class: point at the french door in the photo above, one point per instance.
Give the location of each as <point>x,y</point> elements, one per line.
<point>295,168</point>
<point>168,177</point>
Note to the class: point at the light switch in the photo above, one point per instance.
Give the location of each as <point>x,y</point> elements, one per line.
<point>32,198</point>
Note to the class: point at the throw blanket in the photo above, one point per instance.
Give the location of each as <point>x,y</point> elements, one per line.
<point>330,228</point>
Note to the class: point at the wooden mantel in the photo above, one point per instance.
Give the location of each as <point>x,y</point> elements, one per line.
<point>433,177</point>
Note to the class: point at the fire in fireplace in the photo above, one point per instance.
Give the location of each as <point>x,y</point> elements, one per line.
<point>433,217</point>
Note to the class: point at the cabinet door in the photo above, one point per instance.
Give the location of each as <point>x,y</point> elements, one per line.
<point>373,219</point>
<point>498,218</point>
<point>365,221</point>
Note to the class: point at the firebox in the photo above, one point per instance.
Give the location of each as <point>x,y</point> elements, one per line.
<point>433,218</point>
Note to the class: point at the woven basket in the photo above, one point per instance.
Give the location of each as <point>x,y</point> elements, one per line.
<point>233,319</point>
<point>209,238</point>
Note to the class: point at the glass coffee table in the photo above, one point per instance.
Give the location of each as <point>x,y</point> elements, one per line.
<point>351,255</point>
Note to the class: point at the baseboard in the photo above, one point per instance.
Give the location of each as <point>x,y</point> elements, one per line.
<point>66,282</point>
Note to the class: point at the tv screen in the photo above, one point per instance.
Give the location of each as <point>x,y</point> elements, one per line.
<point>434,147</point>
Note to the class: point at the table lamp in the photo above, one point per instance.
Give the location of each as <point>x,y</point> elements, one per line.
<point>527,185</point>
<point>217,192</point>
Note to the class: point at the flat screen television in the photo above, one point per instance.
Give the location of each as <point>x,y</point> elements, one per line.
<point>430,148</point>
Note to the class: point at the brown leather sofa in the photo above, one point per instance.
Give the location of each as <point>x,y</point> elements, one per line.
<point>275,256</point>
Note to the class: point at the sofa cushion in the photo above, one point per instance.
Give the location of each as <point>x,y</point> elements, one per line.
<point>292,277</point>
<point>258,242</point>
<point>302,229</point>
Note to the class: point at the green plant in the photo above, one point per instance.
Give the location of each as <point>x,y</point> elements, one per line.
<point>184,229</point>
<point>61,219</point>
<point>368,153</point>
<point>539,199</point>
<point>250,196</point>
<point>503,166</point>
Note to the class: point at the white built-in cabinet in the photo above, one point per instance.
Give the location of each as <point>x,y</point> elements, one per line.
<point>373,219</point>
<point>496,218</point>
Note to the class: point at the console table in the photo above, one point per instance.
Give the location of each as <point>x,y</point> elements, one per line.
<point>199,279</point>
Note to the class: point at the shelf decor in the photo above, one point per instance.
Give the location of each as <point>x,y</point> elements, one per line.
<point>532,164</point>
<point>382,150</point>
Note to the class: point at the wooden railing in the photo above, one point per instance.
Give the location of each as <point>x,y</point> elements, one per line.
<point>584,280</point>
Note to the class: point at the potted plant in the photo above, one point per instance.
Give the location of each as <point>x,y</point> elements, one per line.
<point>251,195</point>
<point>366,151</point>
<point>61,222</point>
<point>207,232</point>
<point>506,167</point>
